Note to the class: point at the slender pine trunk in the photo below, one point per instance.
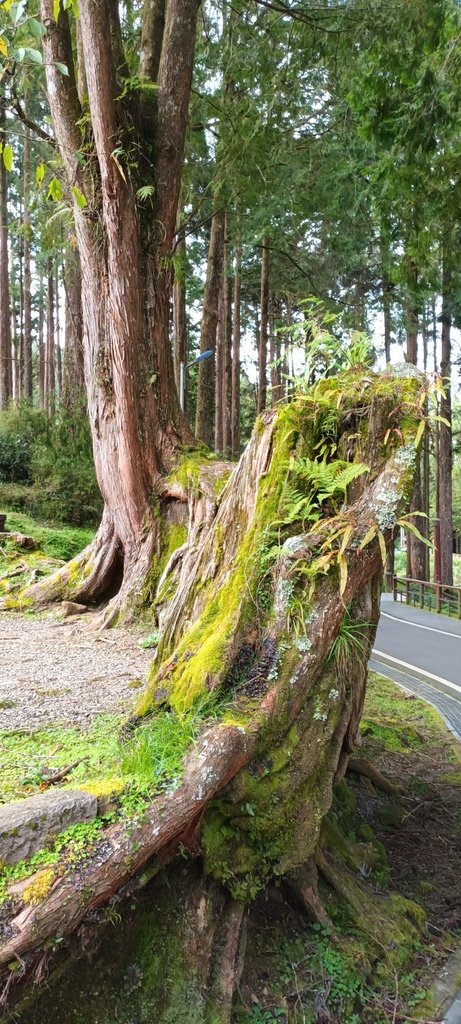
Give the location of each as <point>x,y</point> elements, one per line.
<point>219,372</point>
<point>205,415</point>
<point>416,559</point>
<point>6,369</point>
<point>444,476</point>
<point>73,384</point>
<point>27,298</point>
<point>263,327</point>
<point>181,344</point>
<point>228,288</point>
<point>50,375</point>
<point>236,332</point>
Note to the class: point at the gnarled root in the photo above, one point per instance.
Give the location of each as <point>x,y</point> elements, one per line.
<point>361,766</point>
<point>87,577</point>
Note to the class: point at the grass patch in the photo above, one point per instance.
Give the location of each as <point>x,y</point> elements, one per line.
<point>27,759</point>
<point>393,720</point>
<point>63,542</point>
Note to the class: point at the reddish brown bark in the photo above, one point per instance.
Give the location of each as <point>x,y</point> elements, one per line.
<point>126,257</point>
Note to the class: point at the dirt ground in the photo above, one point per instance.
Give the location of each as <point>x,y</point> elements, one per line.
<point>55,671</point>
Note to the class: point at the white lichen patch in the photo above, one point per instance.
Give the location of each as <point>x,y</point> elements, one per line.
<point>303,644</point>
<point>406,455</point>
<point>386,509</point>
<point>333,694</point>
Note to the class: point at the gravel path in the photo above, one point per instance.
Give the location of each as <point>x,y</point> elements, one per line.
<point>65,671</point>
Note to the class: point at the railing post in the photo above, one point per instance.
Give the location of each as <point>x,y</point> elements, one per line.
<point>438,598</point>
<point>421,595</point>
<point>394,589</point>
<point>459,602</point>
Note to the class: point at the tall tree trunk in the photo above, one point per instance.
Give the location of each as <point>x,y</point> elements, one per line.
<point>227,350</point>
<point>27,269</point>
<point>204,423</point>
<point>444,475</point>
<point>50,371</point>
<point>126,249</point>
<point>236,332</point>
<point>21,314</point>
<point>6,367</point>
<point>41,346</point>
<point>58,336</point>
<point>263,327</point>
<point>181,343</point>
<point>416,558</point>
<point>219,372</point>
<point>73,384</point>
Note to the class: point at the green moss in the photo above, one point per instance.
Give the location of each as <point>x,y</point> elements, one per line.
<point>26,758</point>
<point>39,888</point>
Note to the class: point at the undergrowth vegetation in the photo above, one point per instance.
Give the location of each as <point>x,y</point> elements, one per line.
<point>46,465</point>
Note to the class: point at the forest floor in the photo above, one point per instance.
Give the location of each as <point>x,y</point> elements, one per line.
<point>54,671</point>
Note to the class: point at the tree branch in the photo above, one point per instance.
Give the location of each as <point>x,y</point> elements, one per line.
<point>26,120</point>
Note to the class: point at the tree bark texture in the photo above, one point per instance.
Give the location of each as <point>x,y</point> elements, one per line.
<point>257,626</point>
<point>73,385</point>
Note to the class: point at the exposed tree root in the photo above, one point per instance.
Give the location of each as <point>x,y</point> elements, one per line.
<point>87,577</point>
<point>361,766</point>
<point>302,889</point>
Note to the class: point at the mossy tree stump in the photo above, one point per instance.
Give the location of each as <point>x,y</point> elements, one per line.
<point>271,608</point>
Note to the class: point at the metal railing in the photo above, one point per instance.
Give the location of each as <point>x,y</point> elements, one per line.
<point>433,596</point>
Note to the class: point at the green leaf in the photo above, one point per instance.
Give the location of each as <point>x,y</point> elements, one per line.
<point>80,199</point>
<point>34,55</point>
<point>55,190</point>
<point>8,157</point>
<point>40,174</point>
<point>56,9</point>
<point>36,27</point>
<point>419,432</point>
<point>61,67</point>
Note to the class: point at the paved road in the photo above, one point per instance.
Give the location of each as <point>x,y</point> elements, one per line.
<point>422,651</point>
